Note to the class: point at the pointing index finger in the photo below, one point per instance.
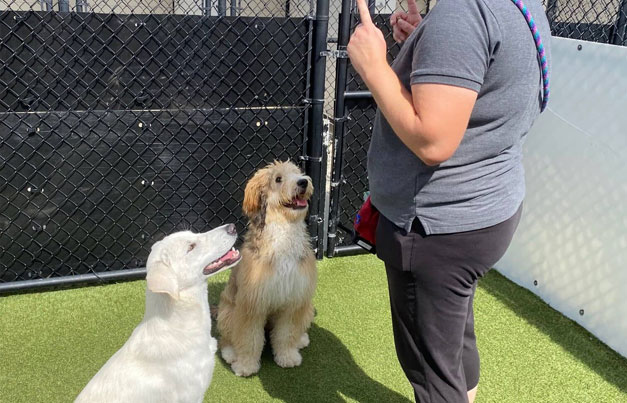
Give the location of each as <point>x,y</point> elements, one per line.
<point>364,13</point>
<point>412,7</point>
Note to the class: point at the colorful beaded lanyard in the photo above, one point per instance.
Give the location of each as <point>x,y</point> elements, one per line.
<point>543,63</point>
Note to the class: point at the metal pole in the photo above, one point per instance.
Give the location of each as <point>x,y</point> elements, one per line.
<point>314,159</point>
<point>64,6</point>
<point>358,95</point>
<point>349,250</point>
<point>620,37</point>
<point>118,275</point>
<point>206,7</point>
<point>81,6</point>
<point>46,5</point>
<point>221,8</point>
<point>341,73</point>
<point>233,8</point>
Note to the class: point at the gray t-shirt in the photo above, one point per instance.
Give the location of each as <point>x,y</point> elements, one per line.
<point>485,46</point>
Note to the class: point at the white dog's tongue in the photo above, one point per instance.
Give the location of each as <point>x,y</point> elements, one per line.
<point>231,255</point>
<point>300,202</point>
<point>229,258</point>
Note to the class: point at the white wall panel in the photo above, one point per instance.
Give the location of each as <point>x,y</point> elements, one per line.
<point>572,239</point>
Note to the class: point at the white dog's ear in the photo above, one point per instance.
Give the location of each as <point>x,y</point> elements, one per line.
<point>161,279</point>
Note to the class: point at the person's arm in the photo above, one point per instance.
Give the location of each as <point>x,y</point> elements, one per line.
<point>432,119</point>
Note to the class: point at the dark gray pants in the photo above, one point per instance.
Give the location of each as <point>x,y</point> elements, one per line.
<point>432,281</point>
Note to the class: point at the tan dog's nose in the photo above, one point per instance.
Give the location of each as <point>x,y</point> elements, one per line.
<point>302,183</point>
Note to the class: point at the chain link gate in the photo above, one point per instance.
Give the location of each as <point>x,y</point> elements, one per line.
<point>354,114</point>
<point>602,21</point>
<point>121,122</point>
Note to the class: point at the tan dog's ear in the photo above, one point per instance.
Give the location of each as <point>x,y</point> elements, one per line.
<point>254,193</point>
<point>161,279</point>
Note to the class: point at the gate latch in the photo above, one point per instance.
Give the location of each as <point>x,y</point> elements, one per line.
<point>338,54</point>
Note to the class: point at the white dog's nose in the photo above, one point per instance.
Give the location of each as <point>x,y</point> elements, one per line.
<point>302,183</point>
<point>231,230</point>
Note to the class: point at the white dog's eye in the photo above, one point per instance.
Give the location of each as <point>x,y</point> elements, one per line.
<point>278,179</point>
<point>191,247</point>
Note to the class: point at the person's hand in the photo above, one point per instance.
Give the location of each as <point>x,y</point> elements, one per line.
<point>403,23</point>
<point>366,48</point>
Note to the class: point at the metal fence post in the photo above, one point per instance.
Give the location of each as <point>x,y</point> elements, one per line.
<point>341,73</point>
<point>314,160</point>
<point>81,6</point>
<point>64,6</point>
<point>221,8</point>
<point>620,34</point>
<point>46,5</point>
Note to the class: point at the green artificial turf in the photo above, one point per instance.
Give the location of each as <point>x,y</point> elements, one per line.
<point>52,343</point>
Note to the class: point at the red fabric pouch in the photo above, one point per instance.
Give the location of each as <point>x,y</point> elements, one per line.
<point>366,226</point>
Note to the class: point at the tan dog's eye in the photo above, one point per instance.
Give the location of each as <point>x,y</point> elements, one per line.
<point>191,247</point>
<point>278,179</point>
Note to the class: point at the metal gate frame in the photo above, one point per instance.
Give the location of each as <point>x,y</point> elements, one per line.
<point>341,116</point>
<point>345,99</point>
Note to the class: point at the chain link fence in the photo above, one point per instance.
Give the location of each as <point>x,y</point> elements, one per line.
<point>601,21</point>
<point>591,20</point>
<point>121,122</point>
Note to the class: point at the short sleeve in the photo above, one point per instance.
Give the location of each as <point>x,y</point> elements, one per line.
<point>454,44</point>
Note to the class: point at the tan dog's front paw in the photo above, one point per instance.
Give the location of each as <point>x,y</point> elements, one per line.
<point>228,354</point>
<point>288,358</point>
<point>245,367</point>
<point>303,342</point>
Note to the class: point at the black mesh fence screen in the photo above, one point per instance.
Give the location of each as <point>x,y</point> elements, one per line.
<point>121,122</point>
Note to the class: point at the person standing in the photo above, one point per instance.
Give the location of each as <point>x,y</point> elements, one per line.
<point>445,168</point>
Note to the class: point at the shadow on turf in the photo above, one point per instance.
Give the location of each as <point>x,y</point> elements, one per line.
<point>328,373</point>
<point>580,343</point>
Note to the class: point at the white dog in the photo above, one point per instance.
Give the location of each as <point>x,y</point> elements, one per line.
<point>170,355</point>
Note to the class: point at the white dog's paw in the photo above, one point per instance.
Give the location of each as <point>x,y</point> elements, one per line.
<point>228,354</point>
<point>304,341</point>
<point>288,358</point>
<point>245,368</point>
